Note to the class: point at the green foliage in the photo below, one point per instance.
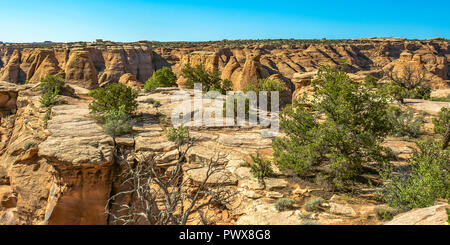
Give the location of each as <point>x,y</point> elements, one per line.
<point>235,98</point>
<point>28,145</point>
<point>210,80</point>
<point>314,204</point>
<point>305,215</point>
<point>385,213</point>
<point>395,91</point>
<point>442,99</point>
<point>50,97</point>
<point>268,85</point>
<point>354,125</point>
<point>309,222</point>
<point>282,204</point>
<point>260,168</point>
<point>404,123</point>
<point>163,77</point>
<point>50,82</point>
<point>428,179</point>
<point>410,84</point>
<point>178,135</point>
<point>117,122</point>
<point>112,98</point>
<point>47,116</point>
<point>441,123</point>
<point>448,216</point>
<point>371,81</point>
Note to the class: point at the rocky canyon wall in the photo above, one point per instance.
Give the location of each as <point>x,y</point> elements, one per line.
<point>88,66</point>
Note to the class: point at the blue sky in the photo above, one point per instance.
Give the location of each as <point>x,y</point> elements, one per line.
<point>133,20</point>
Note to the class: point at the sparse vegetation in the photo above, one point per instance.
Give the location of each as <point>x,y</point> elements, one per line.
<point>210,80</point>
<point>266,85</point>
<point>353,123</point>
<point>282,204</point>
<point>163,77</point>
<point>427,180</point>
<point>178,135</point>
<point>404,123</point>
<point>28,145</point>
<point>442,99</point>
<point>309,222</point>
<point>260,168</point>
<point>408,83</point>
<point>51,87</point>
<point>305,215</point>
<point>50,82</point>
<point>117,122</point>
<point>385,213</point>
<point>442,121</point>
<point>112,98</point>
<point>314,204</point>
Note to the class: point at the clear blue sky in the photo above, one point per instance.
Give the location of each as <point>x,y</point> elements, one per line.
<point>133,20</point>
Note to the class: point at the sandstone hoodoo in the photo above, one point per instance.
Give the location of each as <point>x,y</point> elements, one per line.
<point>353,144</point>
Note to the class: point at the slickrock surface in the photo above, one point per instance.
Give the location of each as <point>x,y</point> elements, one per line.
<point>434,215</point>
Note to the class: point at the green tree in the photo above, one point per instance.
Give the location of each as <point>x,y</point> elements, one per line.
<point>112,97</point>
<point>50,82</point>
<point>210,80</point>
<point>343,129</point>
<point>409,83</point>
<point>163,77</point>
<point>117,122</point>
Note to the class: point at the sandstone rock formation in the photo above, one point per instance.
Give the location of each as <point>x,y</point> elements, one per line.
<point>87,66</point>
<point>60,168</point>
<point>434,215</point>
<point>80,70</point>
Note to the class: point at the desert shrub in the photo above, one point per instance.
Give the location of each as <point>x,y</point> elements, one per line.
<point>395,91</point>
<point>404,123</point>
<point>309,222</point>
<point>117,122</point>
<point>305,215</point>
<point>442,99</point>
<point>157,104</point>
<point>421,92</point>
<point>260,168</point>
<point>210,80</point>
<point>50,82</point>
<point>178,135</point>
<point>282,204</point>
<point>268,85</point>
<point>314,204</point>
<point>385,213</point>
<point>51,97</point>
<point>371,81</point>
<point>441,123</point>
<point>151,85</point>
<point>163,77</point>
<point>112,98</point>
<point>355,124</point>
<point>234,99</point>
<point>428,179</point>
